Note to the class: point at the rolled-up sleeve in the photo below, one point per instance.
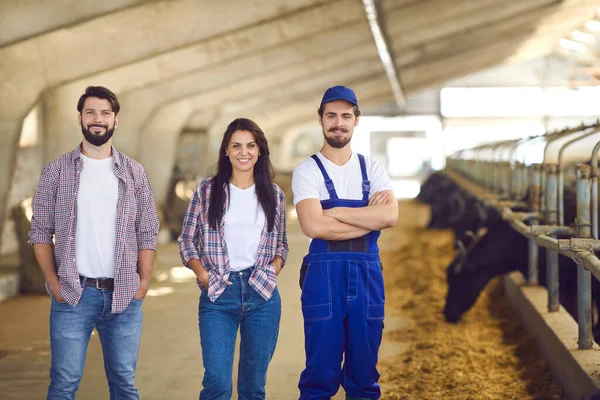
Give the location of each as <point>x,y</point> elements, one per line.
<point>147,224</point>
<point>189,238</point>
<point>282,242</point>
<point>43,206</point>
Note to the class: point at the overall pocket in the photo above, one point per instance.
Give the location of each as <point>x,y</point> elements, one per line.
<point>376,293</point>
<point>316,292</point>
<point>303,269</point>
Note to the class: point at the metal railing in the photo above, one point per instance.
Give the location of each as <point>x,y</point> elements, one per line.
<point>504,183</point>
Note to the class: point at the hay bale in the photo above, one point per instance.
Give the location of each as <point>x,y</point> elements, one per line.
<point>488,355</point>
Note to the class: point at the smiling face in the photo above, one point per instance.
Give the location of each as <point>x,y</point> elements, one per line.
<point>97,120</point>
<point>243,151</point>
<point>338,123</point>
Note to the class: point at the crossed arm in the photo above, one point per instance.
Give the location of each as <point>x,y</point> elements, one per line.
<point>341,223</point>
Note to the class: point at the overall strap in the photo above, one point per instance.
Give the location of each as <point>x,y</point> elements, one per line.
<point>328,181</point>
<point>366,185</point>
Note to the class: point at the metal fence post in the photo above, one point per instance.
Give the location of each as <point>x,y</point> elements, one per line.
<point>543,191</point>
<point>584,279</point>
<point>489,175</point>
<point>495,175</point>
<point>534,206</point>
<point>521,181</point>
<point>552,219</point>
<point>595,173</point>
<point>515,181</point>
<point>506,179</point>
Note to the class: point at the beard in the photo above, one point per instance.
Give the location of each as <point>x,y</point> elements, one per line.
<point>97,139</point>
<point>337,142</point>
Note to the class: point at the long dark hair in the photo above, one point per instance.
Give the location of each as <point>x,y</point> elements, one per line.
<point>263,175</point>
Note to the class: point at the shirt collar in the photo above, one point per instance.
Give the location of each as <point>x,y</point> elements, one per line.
<point>76,155</point>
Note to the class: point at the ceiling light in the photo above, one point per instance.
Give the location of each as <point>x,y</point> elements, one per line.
<point>583,37</point>
<point>572,45</point>
<point>593,25</point>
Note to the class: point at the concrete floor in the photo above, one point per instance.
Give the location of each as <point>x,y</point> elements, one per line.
<point>170,362</point>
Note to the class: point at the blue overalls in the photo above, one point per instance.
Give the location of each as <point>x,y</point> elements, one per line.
<point>343,308</point>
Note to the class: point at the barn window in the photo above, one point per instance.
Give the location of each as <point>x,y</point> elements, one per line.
<point>520,102</point>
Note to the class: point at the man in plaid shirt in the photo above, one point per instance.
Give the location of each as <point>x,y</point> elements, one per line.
<point>98,206</point>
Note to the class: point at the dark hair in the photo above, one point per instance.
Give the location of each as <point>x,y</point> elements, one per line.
<point>102,93</point>
<point>354,108</point>
<point>263,175</point>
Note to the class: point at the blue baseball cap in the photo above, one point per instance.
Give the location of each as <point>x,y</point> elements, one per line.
<point>339,93</point>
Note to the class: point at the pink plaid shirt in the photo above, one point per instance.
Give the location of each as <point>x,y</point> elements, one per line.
<point>55,213</point>
<point>196,232</point>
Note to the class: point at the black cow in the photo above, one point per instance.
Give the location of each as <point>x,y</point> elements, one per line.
<point>593,396</point>
<point>502,250</point>
<point>475,217</point>
<point>433,186</point>
<point>468,274</point>
<point>454,208</point>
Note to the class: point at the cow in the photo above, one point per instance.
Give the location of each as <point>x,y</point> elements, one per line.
<point>435,184</point>
<point>593,396</point>
<point>454,208</point>
<point>502,250</point>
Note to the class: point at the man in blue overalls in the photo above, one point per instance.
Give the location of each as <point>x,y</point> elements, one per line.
<point>343,200</point>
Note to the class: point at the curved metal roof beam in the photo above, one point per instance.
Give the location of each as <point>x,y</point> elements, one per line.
<point>384,53</point>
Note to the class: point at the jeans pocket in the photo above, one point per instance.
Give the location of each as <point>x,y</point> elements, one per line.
<point>136,300</point>
<point>63,305</point>
<point>376,293</point>
<point>316,292</point>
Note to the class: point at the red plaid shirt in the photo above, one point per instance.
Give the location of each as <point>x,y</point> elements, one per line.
<point>55,213</point>
<point>196,232</point>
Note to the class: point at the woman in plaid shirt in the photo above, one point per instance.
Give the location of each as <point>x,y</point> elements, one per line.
<point>234,239</point>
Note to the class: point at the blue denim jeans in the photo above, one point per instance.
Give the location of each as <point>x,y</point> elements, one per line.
<point>239,306</point>
<point>70,331</point>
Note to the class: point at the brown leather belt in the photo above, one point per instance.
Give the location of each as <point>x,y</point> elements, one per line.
<point>98,283</point>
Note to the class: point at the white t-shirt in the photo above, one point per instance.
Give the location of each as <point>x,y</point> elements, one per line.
<point>308,181</point>
<point>95,235</point>
<point>244,223</point>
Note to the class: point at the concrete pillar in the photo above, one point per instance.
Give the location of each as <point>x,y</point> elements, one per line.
<point>10,130</point>
<point>60,121</point>
<point>28,165</point>
<point>157,147</point>
<point>213,141</point>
